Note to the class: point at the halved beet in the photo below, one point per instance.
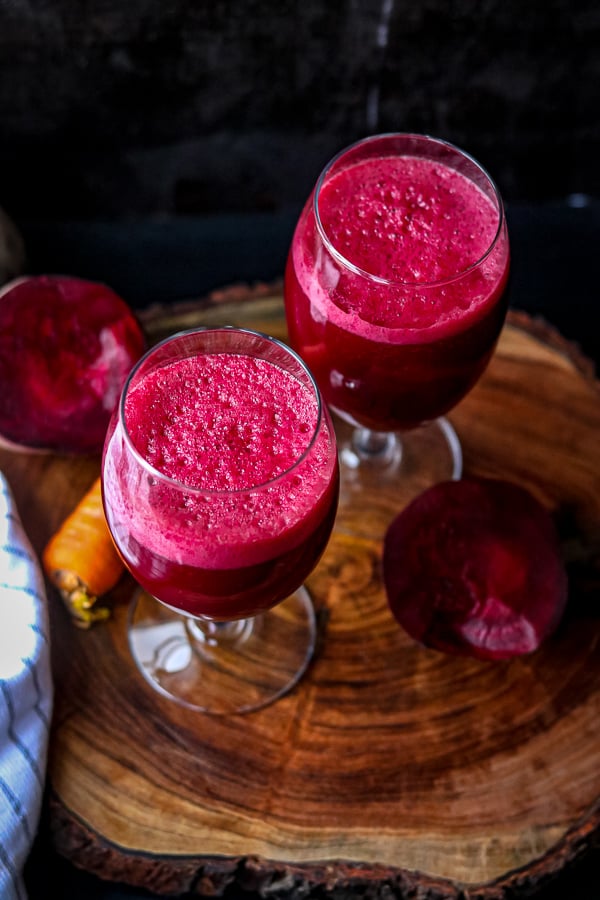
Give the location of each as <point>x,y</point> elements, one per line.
<point>474,568</point>
<point>66,348</point>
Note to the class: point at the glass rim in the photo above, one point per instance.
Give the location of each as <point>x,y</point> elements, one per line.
<point>193,489</point>
<point>396,282</point>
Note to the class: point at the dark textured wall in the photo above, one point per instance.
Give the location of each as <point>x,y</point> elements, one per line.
<point>159,107</point>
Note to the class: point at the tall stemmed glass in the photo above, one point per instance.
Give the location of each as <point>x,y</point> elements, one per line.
<point>220,485</point>
<point>395,295</point>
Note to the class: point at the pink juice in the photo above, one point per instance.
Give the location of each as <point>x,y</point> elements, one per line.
<point>250,495</point>
<point>402,333</point>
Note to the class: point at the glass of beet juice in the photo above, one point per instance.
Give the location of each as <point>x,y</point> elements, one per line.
<point>220,484</point>
<point>395,295</point>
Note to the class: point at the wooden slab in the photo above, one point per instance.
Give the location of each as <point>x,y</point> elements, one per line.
<point>392,769</point>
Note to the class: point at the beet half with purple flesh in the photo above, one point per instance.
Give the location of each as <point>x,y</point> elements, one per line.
<point>66,348</point>
<point>474,568</point>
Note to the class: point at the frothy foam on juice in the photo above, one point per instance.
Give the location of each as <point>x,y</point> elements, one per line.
<point>223,426</point>
<point>221,422</point>
<point>405,221</point>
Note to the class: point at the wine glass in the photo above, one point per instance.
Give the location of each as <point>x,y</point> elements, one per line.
<point>395,295</point>
<point>220,483</point>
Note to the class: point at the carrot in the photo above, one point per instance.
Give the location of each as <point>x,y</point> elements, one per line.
<point>80,559</point>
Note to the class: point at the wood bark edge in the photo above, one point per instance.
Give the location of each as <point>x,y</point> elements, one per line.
<point>345,880</point>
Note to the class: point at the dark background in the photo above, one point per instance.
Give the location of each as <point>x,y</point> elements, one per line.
<point>166,147</point>
<point>161,108</point>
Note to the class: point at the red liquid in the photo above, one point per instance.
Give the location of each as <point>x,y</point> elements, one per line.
<point>392,354</point>
<point>221,424</point>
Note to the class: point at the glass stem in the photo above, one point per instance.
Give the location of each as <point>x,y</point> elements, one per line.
<point>218,634</point>
<point>377,446</point>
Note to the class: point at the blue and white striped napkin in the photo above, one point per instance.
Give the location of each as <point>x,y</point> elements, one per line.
<point>26,696</point>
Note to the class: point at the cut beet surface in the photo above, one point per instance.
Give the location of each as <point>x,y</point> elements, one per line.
<point>66,348</point>
<point>474,568</point>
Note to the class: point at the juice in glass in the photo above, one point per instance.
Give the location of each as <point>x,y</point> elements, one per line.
<point>396,283</point>
<point>236,494</point>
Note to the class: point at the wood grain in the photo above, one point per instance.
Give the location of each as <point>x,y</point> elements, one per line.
<point>391,768</point>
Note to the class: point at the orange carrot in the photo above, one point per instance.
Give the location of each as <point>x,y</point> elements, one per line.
<point>81,561</point>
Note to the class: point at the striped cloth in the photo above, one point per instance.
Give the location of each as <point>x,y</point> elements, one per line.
<point>26,696</point>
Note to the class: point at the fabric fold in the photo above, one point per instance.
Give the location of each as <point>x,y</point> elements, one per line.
<point>26,695</point>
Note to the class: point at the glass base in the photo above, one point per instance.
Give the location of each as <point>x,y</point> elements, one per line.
<point>222,668</point>
<point>381,473</point>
